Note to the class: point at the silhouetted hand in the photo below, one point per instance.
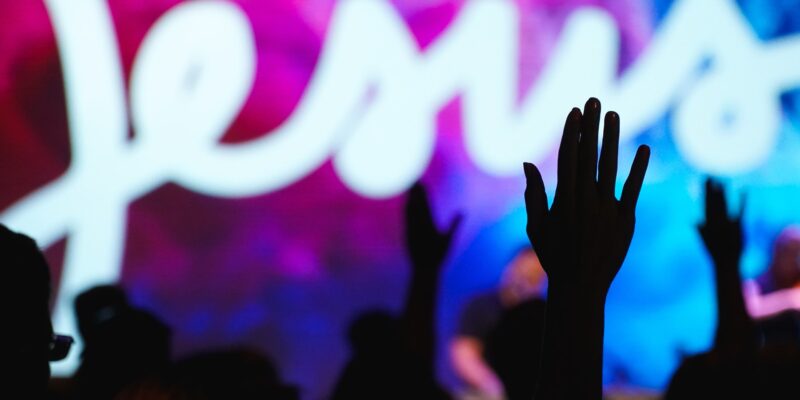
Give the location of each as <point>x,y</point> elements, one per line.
<point>581,242</point>
<point>427,245</point>
<point>584,237</point>
<point>406,369</point>
<point>721,233</point>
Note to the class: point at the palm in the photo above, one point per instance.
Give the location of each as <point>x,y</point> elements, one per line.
<point>721,233</point>
<point>585,235</point>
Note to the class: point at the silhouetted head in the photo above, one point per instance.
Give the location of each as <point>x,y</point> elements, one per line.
<point>27,332</point>
<point>374,333</point>
<point>514,347</point>
<point>98,305</point>
<point>129,346</point>
<point>784,271</point>
<point>381,365</point>
<point>230,374</point>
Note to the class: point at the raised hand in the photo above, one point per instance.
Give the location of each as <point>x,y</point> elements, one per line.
<point>427,248</point>
<point>581,242</point>
<point>427,245</point>
<point>584,237</point>
<point>722,234</point>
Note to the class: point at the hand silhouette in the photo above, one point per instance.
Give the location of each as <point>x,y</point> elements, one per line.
<point>581,242</point>
<point>721,233</point>
<point>427,248</point>
<point>584,237</point>
<point>427,245</point>
<point>408,367</point>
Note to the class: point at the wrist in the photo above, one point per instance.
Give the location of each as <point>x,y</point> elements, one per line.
<point>725,256</point>
<point>570,309</point>
<point>587,293</point>
<point>726,266</point>
<point>573,342</point>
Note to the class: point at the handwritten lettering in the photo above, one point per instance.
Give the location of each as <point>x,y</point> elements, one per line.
<point>196,66</point>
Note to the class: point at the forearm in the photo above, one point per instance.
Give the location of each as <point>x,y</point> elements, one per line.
<point>763,306</point>
<point>735,329</point>
<point>419,313</point>
<point>466,354</point>
<point>572,354</point>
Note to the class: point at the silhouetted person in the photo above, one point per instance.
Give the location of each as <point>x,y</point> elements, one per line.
<point>514,347</point>
<point>394,358</point>
<point>27,333</point>
<point>581,240</point>
<point>96,306</point>
<point>122,344</point>
<point>375,335</point>
<point>773,299</point>
<point>784,269</point>
<point>380,365</point>
<point>232,374</point>
<point>523,279</point>
<point>737,366</point>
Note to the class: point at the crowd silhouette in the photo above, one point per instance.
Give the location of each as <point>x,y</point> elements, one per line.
<point>25,298</point>
<point>526,345</point>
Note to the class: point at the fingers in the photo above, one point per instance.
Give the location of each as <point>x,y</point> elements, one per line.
<point>535,200</point>
<point>587,147</point>
<point>633,185</point>
<point>607,170</point>
<point>418,210</point>
<point>567,159</point>
<point>716,206</point>
<point>420,215</point>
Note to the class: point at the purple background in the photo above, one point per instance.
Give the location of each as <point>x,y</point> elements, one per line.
<point>288,270</point>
